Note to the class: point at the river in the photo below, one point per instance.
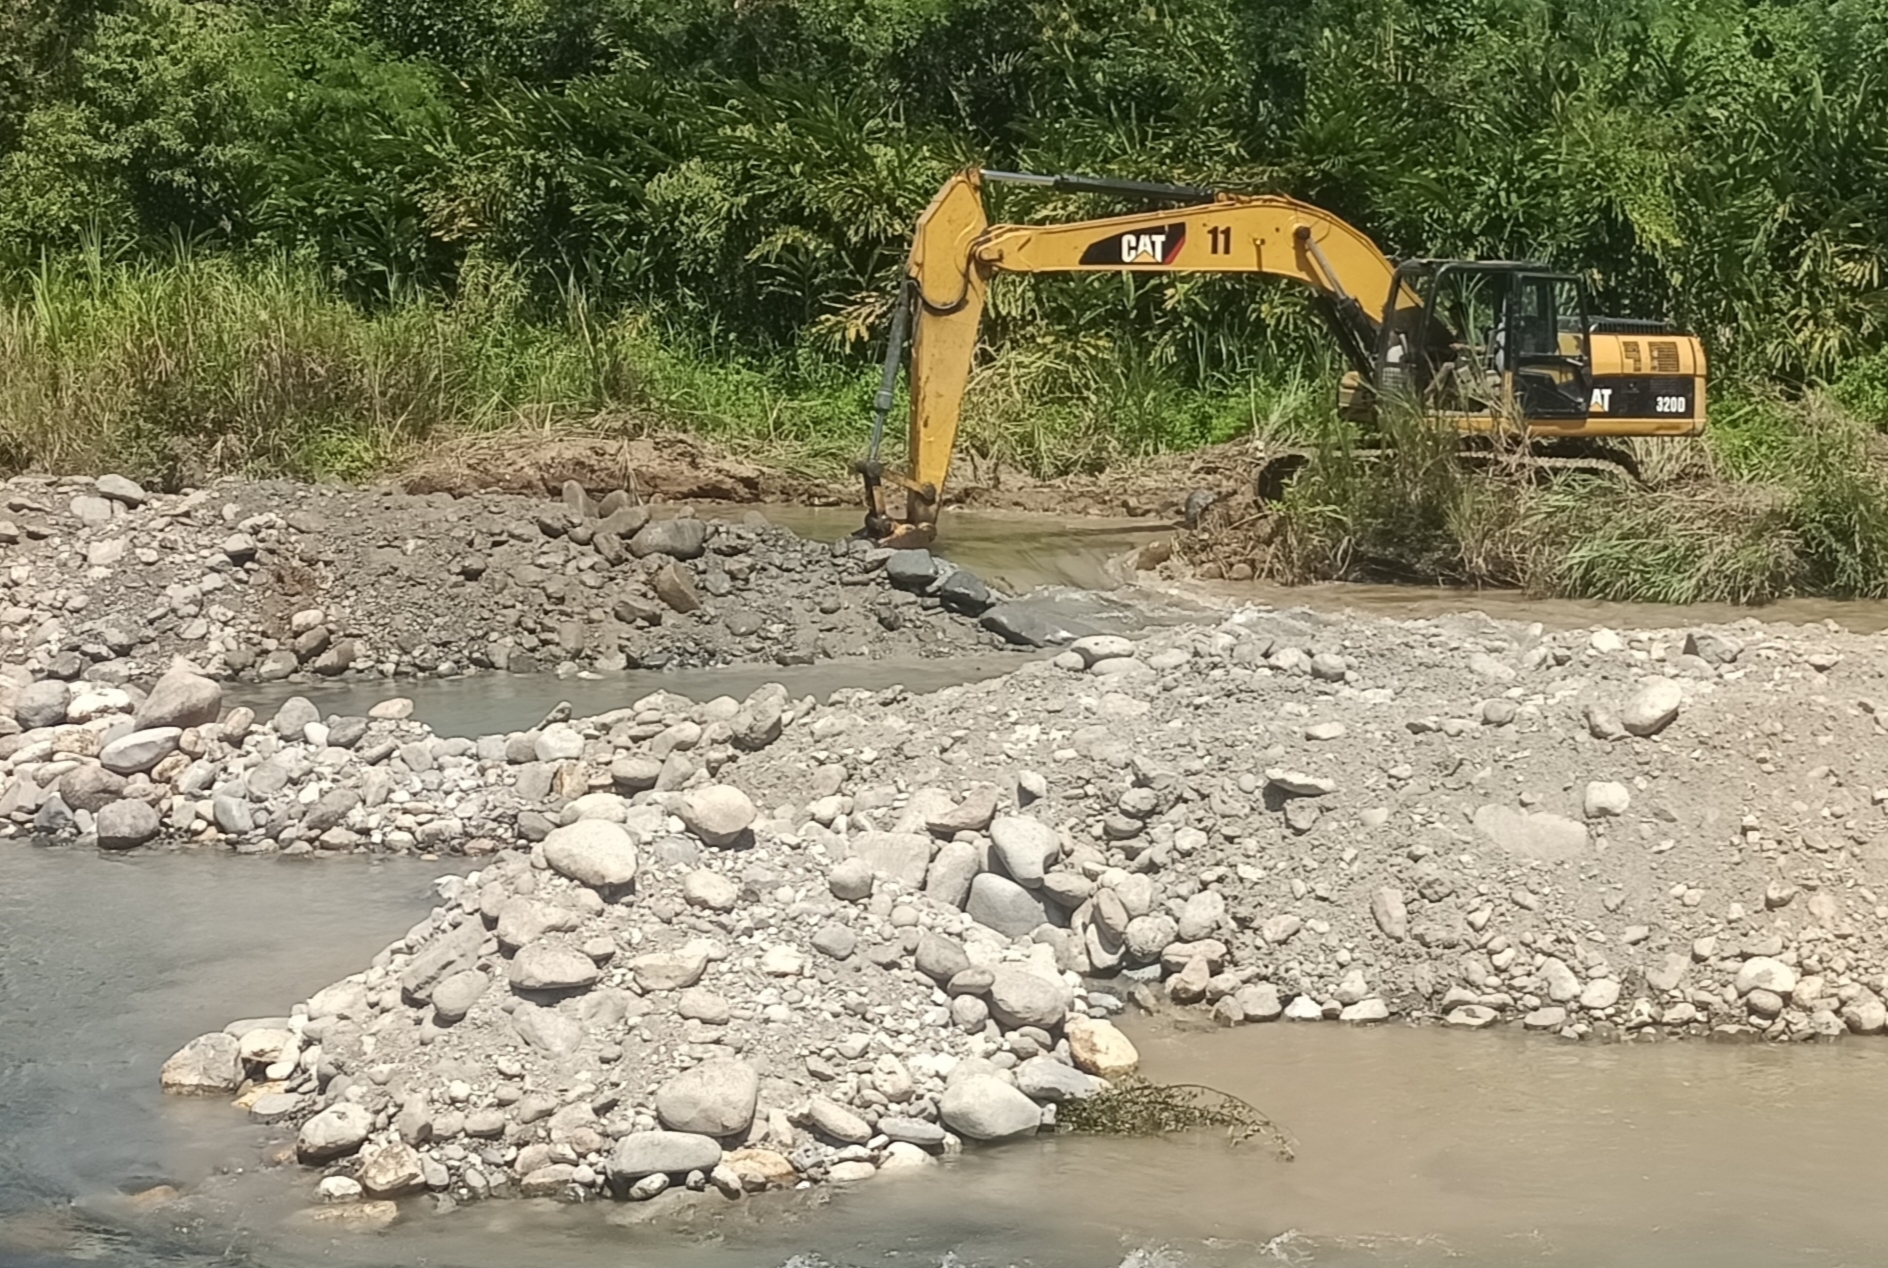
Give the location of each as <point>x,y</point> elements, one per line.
<point>1414,1146</point>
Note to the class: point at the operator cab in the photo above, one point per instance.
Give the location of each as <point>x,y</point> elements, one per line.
<point>1502,339</point>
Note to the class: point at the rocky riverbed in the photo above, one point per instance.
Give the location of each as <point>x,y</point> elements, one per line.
<point>720,948</point>
<point>271,581</point>
<point>713,948</point>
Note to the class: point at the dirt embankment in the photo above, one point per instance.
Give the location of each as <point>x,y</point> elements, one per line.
<point>673,468</point>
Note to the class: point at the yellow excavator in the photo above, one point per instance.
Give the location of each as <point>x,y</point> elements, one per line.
<point>1496,349</point>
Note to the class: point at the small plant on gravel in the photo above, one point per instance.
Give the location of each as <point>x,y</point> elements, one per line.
<point>1137,1107</point>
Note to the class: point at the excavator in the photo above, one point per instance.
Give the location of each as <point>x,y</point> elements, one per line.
<point>1499,350</point>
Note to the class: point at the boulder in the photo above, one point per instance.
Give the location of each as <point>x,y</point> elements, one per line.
<point>1259,1001</point>
<point>544,966</point>
<point>835,1122</point>
<point>1022,997</point>
<point>294,716</point>
<point>940,957</point>
<point>1030,623</point>
<point>669,970</point>
<point>1546,837</point>
<point>335,1132</point>
<point>1023,847</point>
<point>901,858</point>
<point>674,585</point>
<point>678,538</point>
<point>559,742</point>
<point>140,750</point>
<point>1099,647</point>
<point>757,1170</point>
<point>1048,1080</point>
<point>710,890</point>
<point>850,880</point>
<point>390,1168</point>
<point>1652,707</point>
<point>973,814</point>
<point>91,788</point>
<point>984,1107</point>
<point>716,1098</point>
<point>207,1064</point>
<point>1391,914</point>
<point>1762,973</point>
<point>910,569</point>
<point>547,1030</point>
<point>835,940</point>
<point>642,1154</point>
<point>453,998</point>
<point>41,704</point>
<point>125,825</point>
<point>120,489</point>
<point>1561,983</point>
<point>719,814</point>
<point>181,698</point>
<point>1202,915</point>
<point>593,852</point>
<point>1147,936</point>
<point>1605,799</point>
<point>952,872</point>
<point>963,591</point>
<point>999,903</point>
<point>1097,1047</point>
<point>452,952</point>
<point>331,811</point>
<point>522,921</point>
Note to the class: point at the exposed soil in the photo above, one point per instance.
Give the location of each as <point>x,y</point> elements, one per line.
<point>669,467</point>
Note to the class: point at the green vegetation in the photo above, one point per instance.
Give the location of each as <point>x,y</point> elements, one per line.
<point>1779,499</point>
<point>310,236</point>
<point>1135,1107</point>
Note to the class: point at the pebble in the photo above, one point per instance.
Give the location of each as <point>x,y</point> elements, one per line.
<point>1606,800</point>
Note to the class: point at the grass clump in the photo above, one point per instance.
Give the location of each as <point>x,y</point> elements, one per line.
<point>1136,1107</point>
<point>1779,499</point>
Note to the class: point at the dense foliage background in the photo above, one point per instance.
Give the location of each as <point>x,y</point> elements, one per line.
<point>590,199</point>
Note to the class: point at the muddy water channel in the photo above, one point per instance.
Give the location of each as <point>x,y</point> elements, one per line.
<point>1414,1146</point>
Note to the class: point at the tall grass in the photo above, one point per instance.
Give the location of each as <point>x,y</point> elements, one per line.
<point>198,366</point>
<point>179,371</point>
<point>1781,499</point>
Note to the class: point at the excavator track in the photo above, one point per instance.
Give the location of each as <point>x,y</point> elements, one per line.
<point>1547,459</point>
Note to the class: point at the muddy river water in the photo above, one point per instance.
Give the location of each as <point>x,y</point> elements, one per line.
<point>1414,1146</point>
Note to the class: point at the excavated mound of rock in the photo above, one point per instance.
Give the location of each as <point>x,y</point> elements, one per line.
<point>838,939</point>
<point>279,581</point>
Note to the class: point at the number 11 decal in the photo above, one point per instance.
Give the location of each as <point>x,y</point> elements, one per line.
<point>1219,239</point>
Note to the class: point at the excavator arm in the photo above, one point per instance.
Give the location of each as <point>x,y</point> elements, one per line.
<point>956,251</point>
